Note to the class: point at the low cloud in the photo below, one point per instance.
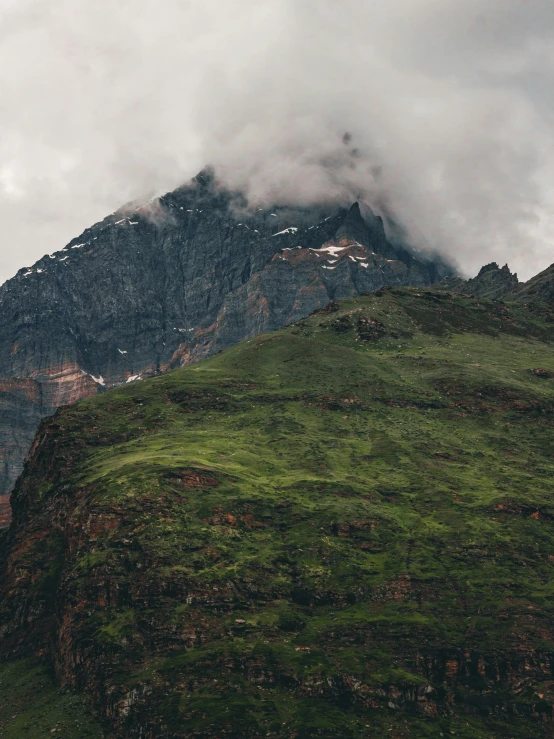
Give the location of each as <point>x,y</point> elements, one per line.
<point>448,106</point>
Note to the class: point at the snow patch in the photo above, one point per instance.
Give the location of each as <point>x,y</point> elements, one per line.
<point>26,274</point>
<point>364,264</point>
<point>133,378</point>
<point>63,259</point>
<point>78,246</point>
<point>98,380</point>
<point>332,250</point>
<point>121,351</point>
<point>291,230</point>
<point>325,267</point>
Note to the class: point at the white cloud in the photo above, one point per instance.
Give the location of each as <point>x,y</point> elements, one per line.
<point>449,103</point>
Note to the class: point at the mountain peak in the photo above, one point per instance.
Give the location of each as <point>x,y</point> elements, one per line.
<point>494,282</point>
<point>354,228</point>
<point>369,233</point>
<point>491,267</point>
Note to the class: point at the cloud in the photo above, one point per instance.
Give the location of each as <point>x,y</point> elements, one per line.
<point>449,104</point>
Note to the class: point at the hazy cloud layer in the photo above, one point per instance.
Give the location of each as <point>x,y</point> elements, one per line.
<point>449,104</point>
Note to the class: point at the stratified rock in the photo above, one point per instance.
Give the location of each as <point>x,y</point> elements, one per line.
<point>158,286</point>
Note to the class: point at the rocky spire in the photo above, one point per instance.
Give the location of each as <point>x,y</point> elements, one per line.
<point>369,233</point>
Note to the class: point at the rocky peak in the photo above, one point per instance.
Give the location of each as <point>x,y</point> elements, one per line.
<point>492,282</point>
<point>368,232</point>
<point>354,229</point>
<point>494,268</point>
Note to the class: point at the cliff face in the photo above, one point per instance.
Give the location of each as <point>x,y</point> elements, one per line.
<point>160,286</point>
<point>342,528</point>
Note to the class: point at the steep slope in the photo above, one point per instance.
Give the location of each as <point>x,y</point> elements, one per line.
<point>155,287</point>
<point>492,282</point>
<point>539,289</point>
<point>342,528</point>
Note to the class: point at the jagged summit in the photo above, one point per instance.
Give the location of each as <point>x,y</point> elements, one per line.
<point>493,267</point>
<point>494,282</point>
<point>354,228</point>
<point>368,232</point>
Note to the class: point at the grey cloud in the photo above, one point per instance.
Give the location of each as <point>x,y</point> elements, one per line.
<point>449,104</point>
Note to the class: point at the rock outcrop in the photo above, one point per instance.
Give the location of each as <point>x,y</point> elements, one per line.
<point>158,286</point>
<point>493,282</point>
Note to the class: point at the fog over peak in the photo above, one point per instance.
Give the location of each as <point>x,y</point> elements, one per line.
<point>447,105</point>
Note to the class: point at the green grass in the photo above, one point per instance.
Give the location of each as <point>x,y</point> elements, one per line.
<point>31,706</point>
<point>315,533</point>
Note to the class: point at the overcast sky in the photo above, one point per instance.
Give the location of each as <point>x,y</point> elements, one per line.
<point>449,102</point>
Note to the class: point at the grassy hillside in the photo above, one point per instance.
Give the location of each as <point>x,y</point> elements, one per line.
<point>31,706</point>
<point>340,529</point>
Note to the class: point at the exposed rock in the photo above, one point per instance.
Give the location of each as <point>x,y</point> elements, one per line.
<point>155,287</point>
<point>492,282</point>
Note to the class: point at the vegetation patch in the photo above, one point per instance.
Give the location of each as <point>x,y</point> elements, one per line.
<point>344,527</point>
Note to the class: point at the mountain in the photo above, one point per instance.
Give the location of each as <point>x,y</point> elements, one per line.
<point>342,528</point>
<point>158,286</point>
<point>492,282</point>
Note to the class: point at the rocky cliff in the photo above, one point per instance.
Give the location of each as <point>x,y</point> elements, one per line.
<point>162,285</point>
<point>344,528</point>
